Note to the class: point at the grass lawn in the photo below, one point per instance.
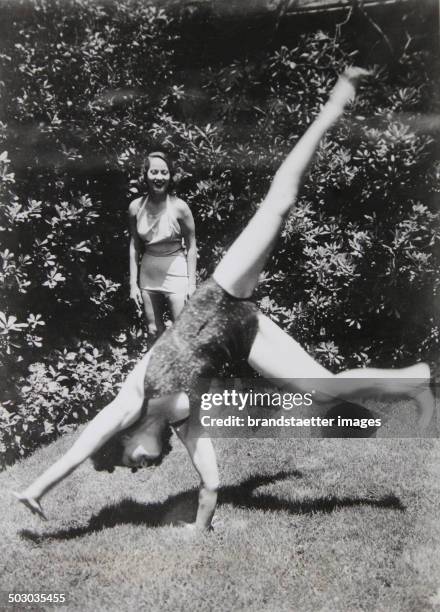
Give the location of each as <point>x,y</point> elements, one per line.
<point>302,524</point>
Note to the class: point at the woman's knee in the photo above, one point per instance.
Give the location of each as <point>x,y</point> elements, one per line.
<point>152,328</point>
<point>155,324</point>
<point>176,303</point>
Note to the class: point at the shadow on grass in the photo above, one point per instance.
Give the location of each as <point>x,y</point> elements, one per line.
<point>183,507</point>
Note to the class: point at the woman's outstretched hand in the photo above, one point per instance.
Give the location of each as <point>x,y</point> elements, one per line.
<point>31,504</point>
<point>345,88</point>
<point>136,296</point>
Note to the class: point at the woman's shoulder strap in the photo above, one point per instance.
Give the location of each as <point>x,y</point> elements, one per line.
<point>136,206</point>
<point>177,205</point>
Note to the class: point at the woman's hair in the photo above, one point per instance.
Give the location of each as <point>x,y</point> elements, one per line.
<point>110,454</point>
<point>161,155</point>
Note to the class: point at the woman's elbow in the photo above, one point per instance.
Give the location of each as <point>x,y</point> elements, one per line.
<point>211,483</point>
<point>191,247</point>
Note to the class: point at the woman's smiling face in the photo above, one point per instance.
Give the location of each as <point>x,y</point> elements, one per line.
<point>158,176</point>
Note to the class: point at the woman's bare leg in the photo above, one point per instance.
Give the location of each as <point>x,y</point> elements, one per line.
<point>240,268</point>
<point>176,302</point>
<point>122,412</point>
<point>278,357</point>
<point>154,308</point>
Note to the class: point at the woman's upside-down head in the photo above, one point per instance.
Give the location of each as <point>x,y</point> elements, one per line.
<point>128,449</point>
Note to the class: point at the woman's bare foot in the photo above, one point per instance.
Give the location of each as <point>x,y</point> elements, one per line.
<point>423,395</point>
<point>426,405</point>
<point>345,89</point>
<point>32,504</point>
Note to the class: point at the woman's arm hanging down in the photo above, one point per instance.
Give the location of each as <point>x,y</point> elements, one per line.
<point>134,251</point>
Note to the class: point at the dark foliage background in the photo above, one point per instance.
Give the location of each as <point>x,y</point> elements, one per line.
<point>87,88</point>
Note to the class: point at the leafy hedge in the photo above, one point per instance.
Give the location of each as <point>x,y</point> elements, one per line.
<point>57,394</point>
<point>86,89</point>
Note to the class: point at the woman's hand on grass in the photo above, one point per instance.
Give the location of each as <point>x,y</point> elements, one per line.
<point>194,528</point>
<point>189,529</point>
<point>425,409</point>
<point>31,504</point>
<point>187,526</point>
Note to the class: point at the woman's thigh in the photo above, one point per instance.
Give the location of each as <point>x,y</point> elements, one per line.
<point>274,354</point>
<point>284,362</point>
<point>239,270</point>
<point>154,306</point>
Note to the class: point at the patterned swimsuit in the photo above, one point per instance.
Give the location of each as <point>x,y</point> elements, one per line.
<point>213,329</point>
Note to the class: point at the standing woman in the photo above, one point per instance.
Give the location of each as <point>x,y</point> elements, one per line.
<point>160,270</point>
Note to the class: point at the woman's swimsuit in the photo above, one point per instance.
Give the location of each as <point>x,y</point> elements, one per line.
<point>213,329</point>
<point>163,266</point>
